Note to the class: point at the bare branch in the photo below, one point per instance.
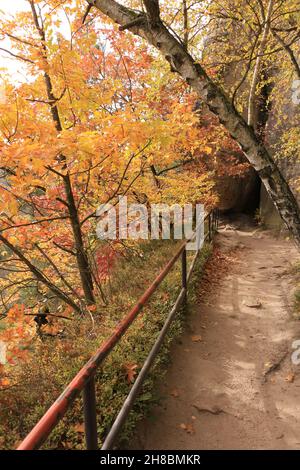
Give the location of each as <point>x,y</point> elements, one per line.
<point>17,56</point>
<point>39,275</point>
<point>289,51</point>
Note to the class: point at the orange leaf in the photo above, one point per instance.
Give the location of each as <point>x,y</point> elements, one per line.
<point>130,371</point>
<point>4,382</point>
<point>189,428</point>
<point>79,427</point>
<point>196,338</point>
<point>290,377</point>
<point>92,308</point>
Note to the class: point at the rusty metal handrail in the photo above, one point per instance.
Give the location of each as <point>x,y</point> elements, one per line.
<point>84,379</point>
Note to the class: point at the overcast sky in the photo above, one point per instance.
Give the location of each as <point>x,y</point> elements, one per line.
<point>13,5</point>
<point>14,67</point>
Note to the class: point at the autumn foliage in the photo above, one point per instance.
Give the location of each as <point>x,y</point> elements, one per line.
<point>91,113</point>
<point>99,116</point>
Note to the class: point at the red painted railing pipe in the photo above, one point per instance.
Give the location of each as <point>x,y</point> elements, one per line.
<point>57,410</point>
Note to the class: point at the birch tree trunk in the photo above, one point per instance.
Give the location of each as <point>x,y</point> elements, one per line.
<point>149,26</point>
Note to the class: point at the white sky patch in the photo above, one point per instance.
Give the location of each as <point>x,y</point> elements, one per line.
<point>13,66</point>
<point>13,6</point>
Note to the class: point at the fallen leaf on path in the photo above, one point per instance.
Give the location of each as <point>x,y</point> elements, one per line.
<point>196,338</point>
<point>189,428</point>
<point>290,377</point>
<point>213,409</point>
<point>175,393</point>
<point>253,303</point>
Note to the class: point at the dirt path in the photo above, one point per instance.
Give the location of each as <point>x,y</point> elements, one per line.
<point>236,388</point>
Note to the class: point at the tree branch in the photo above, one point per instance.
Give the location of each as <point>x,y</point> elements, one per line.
<point>191,70</point>
<point>289,51</point>
<point>16,56</point>
<point>39,275</point>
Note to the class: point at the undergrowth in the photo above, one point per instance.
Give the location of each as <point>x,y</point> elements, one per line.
<point>55,360</point>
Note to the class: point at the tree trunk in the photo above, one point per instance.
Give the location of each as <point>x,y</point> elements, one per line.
<point>150,27</point>
<point>82,259</point>
<point>81,256</point>
<point>39,275</point>
<point>257,68</point>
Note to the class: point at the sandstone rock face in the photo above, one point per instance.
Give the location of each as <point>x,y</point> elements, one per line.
<point>291,171</point>
<point>268,211</point>
<point>239,194</point>
<point>290,167</point>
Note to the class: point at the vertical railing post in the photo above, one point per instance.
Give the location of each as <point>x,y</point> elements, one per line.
<point>209,227</point>
<point>184,273</point>
<point>90,415</point>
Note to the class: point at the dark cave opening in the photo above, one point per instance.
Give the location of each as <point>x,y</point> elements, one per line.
<point>250,199</point>
<point>252,203</point>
